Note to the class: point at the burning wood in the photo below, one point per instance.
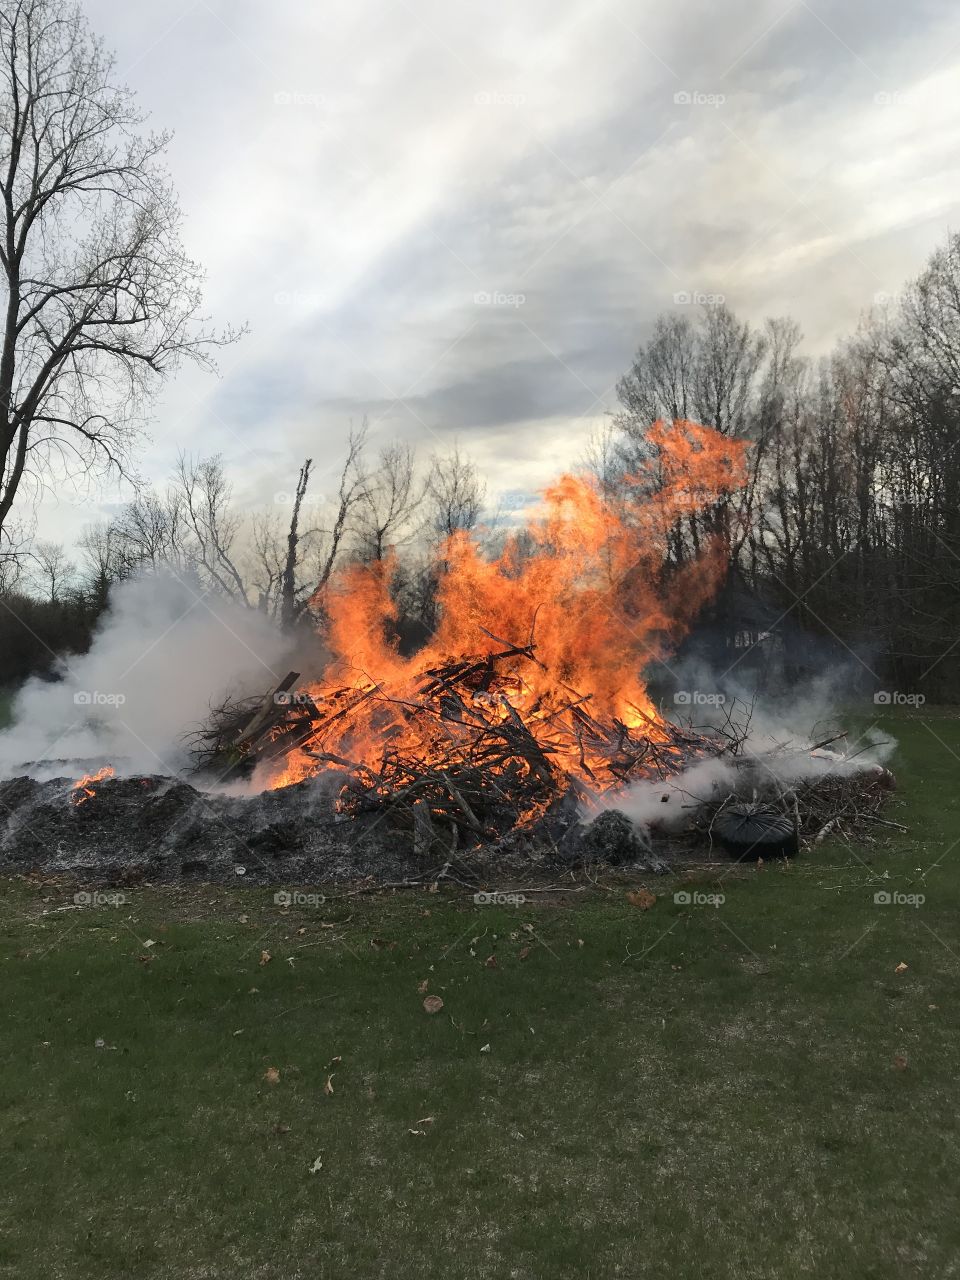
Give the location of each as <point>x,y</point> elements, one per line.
<point>472,746</point>
<point>84,788</point>
<point>478,735</point>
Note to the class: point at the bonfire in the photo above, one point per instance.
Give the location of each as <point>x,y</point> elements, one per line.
<point>528,709</point>
<point>531,693</point>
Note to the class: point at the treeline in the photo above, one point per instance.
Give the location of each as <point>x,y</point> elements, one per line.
<point>277,559</point>
<point>849,529</point>
<point>845,540</point>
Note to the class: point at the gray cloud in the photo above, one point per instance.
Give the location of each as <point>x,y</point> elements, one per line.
<point>355,175</point>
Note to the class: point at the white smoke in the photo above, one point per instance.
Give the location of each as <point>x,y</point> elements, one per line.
<point>163,654</point>
<point>778,747</point>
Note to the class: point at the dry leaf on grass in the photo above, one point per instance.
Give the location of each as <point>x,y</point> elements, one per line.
<point>490,962</point>
<point>525,951</point>
<point>272,1075</point>
<point>265,957</point>
<point>901,968</point>
<point>433,1004</point>
<point>422,987</point>
<point>900,1062</point>
<point>641,898</point>
<point>317,1165</point>
<point>328,1087</point>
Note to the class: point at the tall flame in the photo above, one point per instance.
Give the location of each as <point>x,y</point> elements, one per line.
<point>585,580</point>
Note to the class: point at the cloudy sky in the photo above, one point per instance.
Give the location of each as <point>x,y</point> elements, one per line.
<point>460,218</point>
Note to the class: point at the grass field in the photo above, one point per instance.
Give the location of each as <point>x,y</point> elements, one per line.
<point>756,1089</point>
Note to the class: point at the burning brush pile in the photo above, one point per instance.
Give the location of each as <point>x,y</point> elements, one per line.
<point>527,711</point>
<point>522,737</point>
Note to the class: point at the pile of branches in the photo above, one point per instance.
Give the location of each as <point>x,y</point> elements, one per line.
<point>470,756</point>
<point>822,792</point>
<point>457,759</point>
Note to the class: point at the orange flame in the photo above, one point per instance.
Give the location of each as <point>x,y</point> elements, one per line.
<point>585,581</point>
<point>84,788</point>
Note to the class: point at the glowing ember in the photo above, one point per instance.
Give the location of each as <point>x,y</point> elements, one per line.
<point>535,666</point>
<point>84,789</point>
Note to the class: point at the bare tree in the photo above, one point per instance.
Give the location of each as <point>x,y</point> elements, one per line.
<point>52,570</point>
<point>289,603</point>
<point>213,523</point>
<point>151,530</point>
<point>101,562</point>
<point>455,493</point>
<point>352,490</point>
<point>386,511</point>
<point>101,300</point>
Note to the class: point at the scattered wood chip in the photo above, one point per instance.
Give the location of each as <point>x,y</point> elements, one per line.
<point>433,1004</point>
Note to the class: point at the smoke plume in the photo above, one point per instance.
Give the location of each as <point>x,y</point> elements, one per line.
<point>163,653</point>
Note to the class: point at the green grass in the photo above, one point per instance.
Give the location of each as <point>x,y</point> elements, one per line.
<point>683,1091</point>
